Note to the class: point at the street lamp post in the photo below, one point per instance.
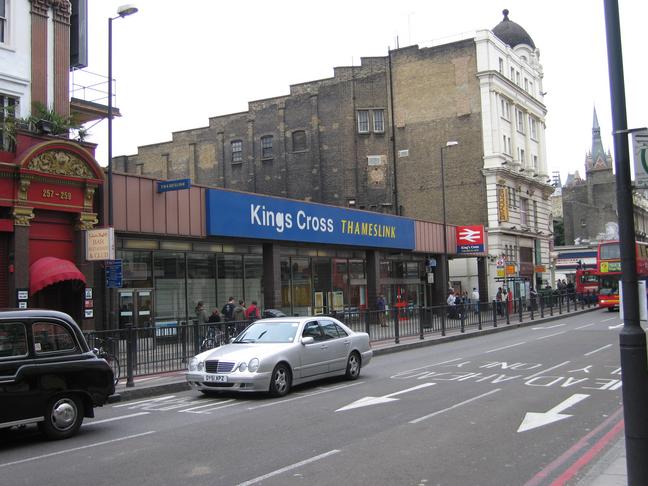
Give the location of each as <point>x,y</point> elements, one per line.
<point>122,11</point>
<point>446,270</point>
<point>632,339</point>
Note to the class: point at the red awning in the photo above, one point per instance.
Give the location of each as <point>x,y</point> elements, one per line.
<point>50,270</point>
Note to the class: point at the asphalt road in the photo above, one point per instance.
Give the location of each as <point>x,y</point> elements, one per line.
<point>524,407</point>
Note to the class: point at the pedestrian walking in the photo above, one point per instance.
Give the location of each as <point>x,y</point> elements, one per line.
<point>239,311</point>
<point>228,310</point>
<point>215,316</point>
<point>475,299</point>
<point>252,312</point>
<point>201,313</point>
<point>381,306</point>
<point>498,301</point>
<point>451,301</point>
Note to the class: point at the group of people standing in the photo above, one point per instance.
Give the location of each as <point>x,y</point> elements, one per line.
<point>459,302</point>
<point>231,312</point>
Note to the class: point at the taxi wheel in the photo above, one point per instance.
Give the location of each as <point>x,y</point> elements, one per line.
<point>63,417</point>
<point>280,381</point>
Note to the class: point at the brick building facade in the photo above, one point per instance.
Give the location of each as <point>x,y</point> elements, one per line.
<point>371,137</point>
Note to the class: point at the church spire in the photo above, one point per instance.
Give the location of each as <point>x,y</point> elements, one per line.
<point>597,158</point>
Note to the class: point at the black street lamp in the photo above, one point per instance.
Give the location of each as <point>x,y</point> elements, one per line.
<point>632,339</point>
<point>122,11</point>
<point>446,270</point>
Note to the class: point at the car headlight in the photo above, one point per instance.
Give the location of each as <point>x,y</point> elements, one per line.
<point>242,367</point>
<point>196,365</point>
<point>253,365</point>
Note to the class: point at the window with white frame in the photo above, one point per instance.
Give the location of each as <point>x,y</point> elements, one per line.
<point>521,155</point>
<point>524,211</point>
<point>506,144</point>
<point>533,127</point>
<point>363,121</point>
<point>530,90</point>
<point>505,108</point>
<point>513,74</point>
<point>501,65</point>
<point>237,151</point>
<point>4,26</point>
<point>535,162</point>
<point>526,84</point>
<point>519,120</point>
<point>266,147</point>
<point>378,121</point>
<point>517,78</point>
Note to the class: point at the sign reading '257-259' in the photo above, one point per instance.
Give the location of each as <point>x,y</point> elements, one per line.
<point>252,216</point>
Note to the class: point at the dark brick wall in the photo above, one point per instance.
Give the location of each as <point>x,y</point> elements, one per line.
<point>436,98</point>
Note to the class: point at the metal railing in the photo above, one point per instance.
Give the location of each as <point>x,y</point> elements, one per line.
<point>151,350</point>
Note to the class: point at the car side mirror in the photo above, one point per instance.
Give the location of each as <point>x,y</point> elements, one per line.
<point>307,340</point>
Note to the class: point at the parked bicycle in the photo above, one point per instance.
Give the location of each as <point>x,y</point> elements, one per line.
<point>102,352</point>
<point>215,337</point>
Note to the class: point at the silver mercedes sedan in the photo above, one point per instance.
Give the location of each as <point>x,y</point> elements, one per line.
<point>272,355</point>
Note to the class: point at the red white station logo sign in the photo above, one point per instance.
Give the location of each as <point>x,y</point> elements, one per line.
<point>470,239</point>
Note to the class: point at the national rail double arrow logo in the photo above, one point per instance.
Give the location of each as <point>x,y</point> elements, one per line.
<point>469,235</point>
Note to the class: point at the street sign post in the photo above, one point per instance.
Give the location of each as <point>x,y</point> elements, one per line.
<point>114,275</point>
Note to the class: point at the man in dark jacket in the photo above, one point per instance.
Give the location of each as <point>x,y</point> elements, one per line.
<point>228,310</point>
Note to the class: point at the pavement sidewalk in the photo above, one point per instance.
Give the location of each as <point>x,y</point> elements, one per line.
<point>608,469</point>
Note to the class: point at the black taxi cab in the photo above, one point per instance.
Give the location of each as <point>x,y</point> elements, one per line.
<point>48,374</point>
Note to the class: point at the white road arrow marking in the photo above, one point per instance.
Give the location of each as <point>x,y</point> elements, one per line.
<point>616,327</point>
<point>366,401</point>
<point>537,419</point>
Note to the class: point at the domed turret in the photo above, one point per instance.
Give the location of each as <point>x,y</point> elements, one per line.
<point>511,33</point>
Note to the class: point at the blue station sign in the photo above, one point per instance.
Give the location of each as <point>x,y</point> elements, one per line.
<point>173,185</point>
<point>252,216</point>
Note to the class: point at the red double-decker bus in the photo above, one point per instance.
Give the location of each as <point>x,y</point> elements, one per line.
<point>587,281</point>
<point>608,264</point>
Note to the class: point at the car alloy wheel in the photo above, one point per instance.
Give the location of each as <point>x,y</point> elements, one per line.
<point>353,366</point>
<point>281,380</point>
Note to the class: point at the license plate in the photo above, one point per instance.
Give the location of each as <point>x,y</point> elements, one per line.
<point>216,378</point>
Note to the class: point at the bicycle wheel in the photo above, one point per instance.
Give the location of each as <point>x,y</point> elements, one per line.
<point>114,364</point>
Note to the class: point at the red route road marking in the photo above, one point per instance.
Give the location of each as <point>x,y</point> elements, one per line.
<point>586,457</point>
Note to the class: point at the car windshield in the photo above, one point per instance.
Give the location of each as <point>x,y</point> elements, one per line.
<point>269,332</point>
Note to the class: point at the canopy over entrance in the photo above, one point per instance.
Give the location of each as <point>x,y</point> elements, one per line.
<point>50,270</point>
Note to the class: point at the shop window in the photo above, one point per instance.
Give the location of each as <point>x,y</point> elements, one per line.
<point>136,269</point>
<point>201,280</point>
<point>170,303</point>
<point>230,277</point>
<point>285,286</point>
<point>302,293</point>
<point>253,281</point>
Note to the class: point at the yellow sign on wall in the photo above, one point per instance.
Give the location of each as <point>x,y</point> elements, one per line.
<point>502,204</point>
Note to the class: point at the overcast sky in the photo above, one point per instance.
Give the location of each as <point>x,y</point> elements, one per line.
<point>178,63</point>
